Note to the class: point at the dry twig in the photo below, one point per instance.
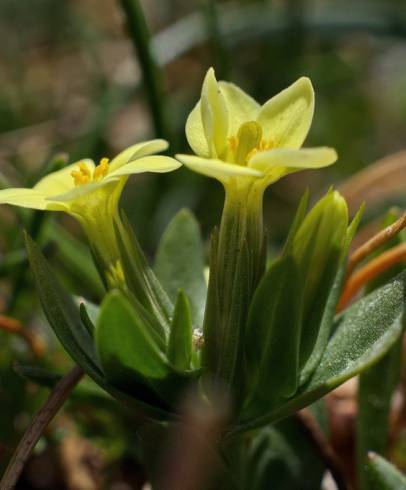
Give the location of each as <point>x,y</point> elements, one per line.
<point>371,270</point>
<point>375,242</point>
<point>323,447</point>
<point>31,436</point>
<point>13,326</point>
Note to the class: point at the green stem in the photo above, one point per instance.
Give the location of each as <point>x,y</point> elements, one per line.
<point>237,263</point>
<point>139,34</point>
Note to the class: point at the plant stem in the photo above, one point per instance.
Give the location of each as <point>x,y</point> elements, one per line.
<point>323,447</point>
<point>32,435</point>
<point>237,263</point>
<point>140,37</point>
<point>375,242</point>
<point>372,269</point>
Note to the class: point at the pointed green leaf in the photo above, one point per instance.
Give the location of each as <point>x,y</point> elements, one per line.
<point>375,390</point>
<point>363,334</point>
<point>63,316</point>
<point>327,319</point>
<point>273,332</point>
<point>61,311</point>
<point>297,221</point>
<point>383,475</point>
<point>87,322</point>
<point>180,339</point>
<point>38,375</point>
<point>141,279</point>
<point>130,357</point>
<point>179,262</point>
<point>124,343</point>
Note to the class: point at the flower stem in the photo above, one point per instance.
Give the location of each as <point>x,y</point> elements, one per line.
<point>139,34</point>
<point>237,263</point>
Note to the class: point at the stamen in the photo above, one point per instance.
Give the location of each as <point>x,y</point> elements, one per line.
<point>101,170</point>
<point>83,175</point>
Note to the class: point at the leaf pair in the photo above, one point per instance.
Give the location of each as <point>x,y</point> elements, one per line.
<point>64,317</point>
<point>293,307</point>
<point>362,335</point>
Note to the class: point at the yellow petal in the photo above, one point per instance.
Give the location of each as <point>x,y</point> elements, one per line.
<point>240,106</point>
<point>195,132</point>
<point>154,163</point>
<point>217,168</point>
<point>137,151</point>
<point>80,191</point>
<point>60,181</point>
<point>214,115</point>
<point>286,118</point>
<point>293,159</point>
<point>22,197</point>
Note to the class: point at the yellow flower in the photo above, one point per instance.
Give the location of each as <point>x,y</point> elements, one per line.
<point>91,194</point>
<point>233,136</point>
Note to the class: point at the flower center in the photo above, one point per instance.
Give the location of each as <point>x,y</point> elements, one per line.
<point>247,142</point>
<point>83,174</point>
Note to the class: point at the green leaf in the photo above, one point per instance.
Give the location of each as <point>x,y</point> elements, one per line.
<point>363,334</point>
<point>75,259</point>
<point>124,342</point>
<point>375,389</point>
<point>179,262</point>
<point>273,333</point>
<point>38,375</point>
<point>63,316</point>
<point>61,312</point>
<point>130,357</point>
<point>180,339</point>
<point>328,315</point>
<point>284,455</point>
<point>84,316</point>
<point>383,475</point>
<point>317,248</point>
<point>297,221</point>
<point>141,279</point>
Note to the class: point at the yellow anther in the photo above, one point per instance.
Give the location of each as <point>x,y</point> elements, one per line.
<point>81,175</point>
<point>102,169</point>
<point>263,146</point>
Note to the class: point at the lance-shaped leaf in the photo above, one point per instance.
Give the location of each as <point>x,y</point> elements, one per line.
<point>180,338</point>
<point>327,318</point>
<point>273,333</point>
<point>141,279</point>
<point>179,262</point>
<point>362,336</point>
<point>317,248</point>
<point>61,311</point>
<point>64,318</point>
<point>124,342</point>
<point>383,475</point>
<point>129,355</point>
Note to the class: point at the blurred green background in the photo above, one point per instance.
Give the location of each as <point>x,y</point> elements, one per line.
<point>72,80</point>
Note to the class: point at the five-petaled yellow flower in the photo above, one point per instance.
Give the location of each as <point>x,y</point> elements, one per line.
<point>233,136</point>
<point>91,193</point>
